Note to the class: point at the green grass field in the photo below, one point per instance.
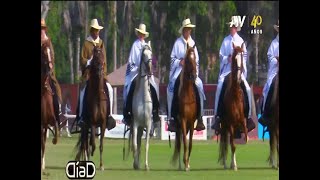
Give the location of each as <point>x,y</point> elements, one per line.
<point>251,160</point>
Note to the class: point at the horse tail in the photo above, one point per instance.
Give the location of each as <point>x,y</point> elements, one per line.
<point>223,145</point>
<point>80,146</point>
<point>177,146</point>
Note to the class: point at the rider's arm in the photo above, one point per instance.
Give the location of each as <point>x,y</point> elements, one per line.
<point>245,59</point>
<point>271,56</point>
<point>175,60</point>
<point>105,58</point>
<point>197,59</point>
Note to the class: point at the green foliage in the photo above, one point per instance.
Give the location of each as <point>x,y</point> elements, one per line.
<point>209,33</point>
<point>54,22</point>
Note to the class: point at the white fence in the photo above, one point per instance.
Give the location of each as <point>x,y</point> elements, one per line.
<point>161,129</point>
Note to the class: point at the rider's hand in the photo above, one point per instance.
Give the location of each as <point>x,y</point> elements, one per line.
<point>181,62</point>
<point>89,61</point>
<point>229,58</point>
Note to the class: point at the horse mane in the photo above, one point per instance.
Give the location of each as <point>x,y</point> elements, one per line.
<point>187,64</point>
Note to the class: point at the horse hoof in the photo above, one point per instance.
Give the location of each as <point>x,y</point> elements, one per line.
<point>187,169</point>
<point>54,141</point>
<point>101,168</point>
<point>235,168</point>
<point>147,168</point>
<point>136,166</point>
<point>225,167</point>
<point>275,167</point>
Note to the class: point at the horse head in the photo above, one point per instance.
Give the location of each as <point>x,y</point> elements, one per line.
<point>237,62</point>
<point>190,71</point>
<point>146,60</point>
<point>97,63</point>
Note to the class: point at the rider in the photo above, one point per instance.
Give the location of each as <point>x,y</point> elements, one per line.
<point>86,56</point>
<point>226,51</point>
<point>131,73</point>
<point>177,61</point>
<point>273,60</point>
<point>54,82</point>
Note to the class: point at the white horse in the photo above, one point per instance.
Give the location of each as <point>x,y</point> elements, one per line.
<point>142,106</point>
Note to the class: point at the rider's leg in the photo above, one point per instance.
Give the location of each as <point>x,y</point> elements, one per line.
<point>111,123</point>
<point>200,126</point>
<point>222,83</point>
<point>55,99</point>
<point>80,108</point>
<point>127,110</point>
<point>247,99</point>
<point>174,106</point>
<point>263,120</point>
<point>155,105</point>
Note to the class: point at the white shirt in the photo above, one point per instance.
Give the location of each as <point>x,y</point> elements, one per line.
<point>227,49</point>
<point>134,59</point>
<point>273,51</point>
<point>179,51</point>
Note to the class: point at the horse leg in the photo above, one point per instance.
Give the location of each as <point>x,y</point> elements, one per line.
<point>223,146</point>
<point>233,150</point>
<point>92,138</point>
<point>86,144</point>
<point>135,148</point>
<point>147,145</point>
<point>184,136</point>
<point>139,138</point>
<point>103,128</point>
<point>245,130</point>
<point>190,144</point>
<point>56,133</point>
<point>273,147</point>
<point>277,138</point>
<point>179,149</point>
<point>44,138</point>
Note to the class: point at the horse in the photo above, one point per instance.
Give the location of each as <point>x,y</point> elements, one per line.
<point>47,109</point>
<point>97,109</point>
<point>233,111</point>
<point>274,126</point>
<point>187,113</point>
<point>142,108</point>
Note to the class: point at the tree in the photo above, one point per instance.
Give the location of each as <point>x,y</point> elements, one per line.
<point>44,9</point>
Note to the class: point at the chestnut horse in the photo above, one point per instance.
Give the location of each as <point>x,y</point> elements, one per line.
<point>96,115</point>
<point>274,125</point>
<point>233,111</point>
<point>187,108</point>
<point>47,111</point>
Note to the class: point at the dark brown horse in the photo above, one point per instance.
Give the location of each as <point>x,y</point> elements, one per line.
<point>233,110</point>
<point>274,125</point>
<point>97,109</point>
<point>47,111</point>
<point>187,109</point>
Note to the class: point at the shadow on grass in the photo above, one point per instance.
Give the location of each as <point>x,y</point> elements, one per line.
<point>171,169</point>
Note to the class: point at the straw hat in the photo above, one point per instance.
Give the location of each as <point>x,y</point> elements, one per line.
<point>186,23</point>
<point>94,24</point>
<point>43,23</point>
<point>276,27</point>
<point>142,30</point>
<point>234,19</point>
